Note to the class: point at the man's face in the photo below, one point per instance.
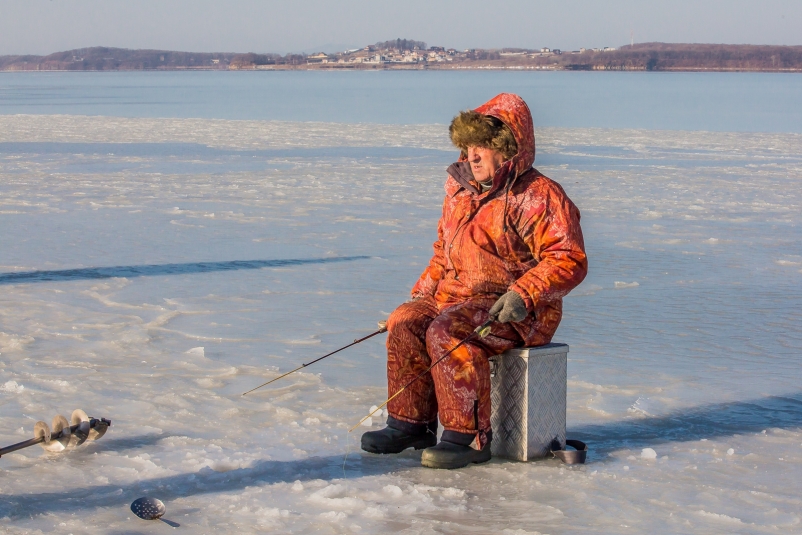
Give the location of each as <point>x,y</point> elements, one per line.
<point>484,162</point>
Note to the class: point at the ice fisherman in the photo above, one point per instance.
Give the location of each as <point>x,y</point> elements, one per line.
<point>509,246</point>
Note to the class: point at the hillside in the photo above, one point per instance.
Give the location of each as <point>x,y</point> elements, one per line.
<point>120,59</point>
<point>409,54</point>
<point>689,57</point>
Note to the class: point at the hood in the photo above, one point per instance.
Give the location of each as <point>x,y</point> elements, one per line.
<point>512,111</point>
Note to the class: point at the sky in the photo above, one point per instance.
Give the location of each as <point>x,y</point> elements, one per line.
<point>46,26</point>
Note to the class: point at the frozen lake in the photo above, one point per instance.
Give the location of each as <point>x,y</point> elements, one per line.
<point>152,269</point>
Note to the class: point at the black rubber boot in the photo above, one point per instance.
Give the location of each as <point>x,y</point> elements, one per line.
<point>451,455</point>
<point>398,436</point>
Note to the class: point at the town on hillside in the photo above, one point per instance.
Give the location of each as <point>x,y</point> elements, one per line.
<point>405,53</point>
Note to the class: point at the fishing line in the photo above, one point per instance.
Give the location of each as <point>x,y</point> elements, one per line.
<point>345,459</point>
<point>481,331</point>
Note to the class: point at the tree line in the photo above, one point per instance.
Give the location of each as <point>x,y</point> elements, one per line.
<point>401,44</point>
<point>105,58</point>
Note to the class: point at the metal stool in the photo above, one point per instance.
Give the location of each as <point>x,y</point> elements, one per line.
<point>528,400</point>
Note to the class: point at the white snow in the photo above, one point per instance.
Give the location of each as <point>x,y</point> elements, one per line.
<point>695,359</point>
<point>12,387</point>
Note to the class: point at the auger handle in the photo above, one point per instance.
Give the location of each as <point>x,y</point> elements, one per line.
<point>21,445</point>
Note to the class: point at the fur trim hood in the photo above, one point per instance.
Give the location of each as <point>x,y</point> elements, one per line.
<point>513,112</point>
<point>472,129</point>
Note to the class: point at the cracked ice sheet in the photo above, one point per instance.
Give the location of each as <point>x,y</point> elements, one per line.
<point>684,338</point>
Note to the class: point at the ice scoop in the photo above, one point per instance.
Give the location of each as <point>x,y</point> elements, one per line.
<point>151,509</point>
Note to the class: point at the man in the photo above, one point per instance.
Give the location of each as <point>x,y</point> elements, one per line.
<point>509,247</point>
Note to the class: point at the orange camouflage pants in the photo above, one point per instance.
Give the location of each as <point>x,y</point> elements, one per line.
<point>458,388</point>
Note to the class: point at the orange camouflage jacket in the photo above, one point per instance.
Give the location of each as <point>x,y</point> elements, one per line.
<point>523,234</point>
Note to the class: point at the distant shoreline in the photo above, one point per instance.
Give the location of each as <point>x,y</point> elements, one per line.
<point>645,57</point>
<point>409,69</point>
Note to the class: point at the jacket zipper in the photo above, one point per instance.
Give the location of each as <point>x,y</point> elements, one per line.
<point>467,219</point>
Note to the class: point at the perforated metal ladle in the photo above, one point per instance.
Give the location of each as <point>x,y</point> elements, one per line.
<point>151,509</point>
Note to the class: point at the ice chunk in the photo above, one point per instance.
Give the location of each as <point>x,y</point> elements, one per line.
<point>373,409</point>
<point>648,453</point>
<point>197,351</point>
<point>297,486</point>
<point>619,285</point>
<point>717,516</point>
<point>641,406</point>
<point>393,491</point>
<point>12,387</point>
<point>333,516</point>
<point>368,422</point>
<point>225,465</point>
<point>11,342</point>
<point>373,512</point>
<point>730,451</point>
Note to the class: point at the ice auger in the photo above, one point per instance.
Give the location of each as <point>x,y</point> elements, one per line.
<point>64,434</point>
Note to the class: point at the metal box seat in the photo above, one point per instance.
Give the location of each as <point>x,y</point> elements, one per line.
<point>528,400</point>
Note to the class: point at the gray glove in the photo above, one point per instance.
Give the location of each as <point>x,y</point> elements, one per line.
<point>509,307</point>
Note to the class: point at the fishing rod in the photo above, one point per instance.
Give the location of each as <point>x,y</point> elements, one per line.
<point>382,329</point>
<point>481,331</point>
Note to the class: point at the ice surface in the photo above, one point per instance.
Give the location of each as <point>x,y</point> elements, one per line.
<point>152,270</point>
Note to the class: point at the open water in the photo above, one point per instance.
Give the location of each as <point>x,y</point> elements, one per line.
<point>721,102</point>
<point>161,253</point>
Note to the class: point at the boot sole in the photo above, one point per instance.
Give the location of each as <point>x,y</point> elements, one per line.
<point>418,446</point>
<point>482,457</point>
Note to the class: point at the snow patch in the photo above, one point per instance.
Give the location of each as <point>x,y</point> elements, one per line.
<point>13,342</point>
<point>648,453</point>
<point>393,491</point>
<point>452,492</point>
<point>724,518</point>
<point>12,387</point>
<point>333,516</point>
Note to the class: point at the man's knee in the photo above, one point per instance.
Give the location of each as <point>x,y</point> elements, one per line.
<point>402,318</point>
<point>412,317</point>
<point>444,330</point>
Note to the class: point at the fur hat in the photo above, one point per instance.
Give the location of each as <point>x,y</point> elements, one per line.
<point>471,129</point>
